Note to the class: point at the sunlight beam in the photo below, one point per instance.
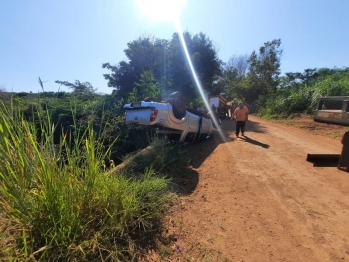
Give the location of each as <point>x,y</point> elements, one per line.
<point>169,10</point>
<point>196,79</point>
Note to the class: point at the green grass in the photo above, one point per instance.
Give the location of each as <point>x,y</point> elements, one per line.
<point>165,252</point>
<point>63,204</point>
<point>166,157</point>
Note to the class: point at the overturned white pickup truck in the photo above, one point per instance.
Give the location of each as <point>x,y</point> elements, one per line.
<point>170,117</point>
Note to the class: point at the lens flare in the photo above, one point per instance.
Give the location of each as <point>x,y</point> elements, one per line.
<point>196,79</point>
<point>169,10</point>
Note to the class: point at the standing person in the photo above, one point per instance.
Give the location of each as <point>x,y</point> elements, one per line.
<point>226,111</point>
<point>240,115</point>
<point>232,109</point>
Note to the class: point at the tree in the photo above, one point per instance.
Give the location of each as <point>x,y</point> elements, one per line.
<point>144,54</point>
<point>178,73</point>
<point>146,87</point>
<point>84,90</point>
<point>255,76</point>
<point>238,64</point>
<point>234,75</point>
<point>168,64</point>
<point>204,59</point>
<point>206,62</point>
<point>264,68</point>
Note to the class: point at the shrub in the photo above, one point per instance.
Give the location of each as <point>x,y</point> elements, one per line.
<point>63,204</point>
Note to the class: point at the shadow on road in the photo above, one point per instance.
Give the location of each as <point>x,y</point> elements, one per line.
<point>251,126</point>
<point>256,127</point>
<point>254,142</point>
<point>186,182</point>
<point>200,151</point>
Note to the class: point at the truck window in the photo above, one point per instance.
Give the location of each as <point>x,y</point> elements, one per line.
<point>331,105</point>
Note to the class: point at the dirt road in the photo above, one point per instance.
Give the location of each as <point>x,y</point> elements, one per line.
<point>255,198</point>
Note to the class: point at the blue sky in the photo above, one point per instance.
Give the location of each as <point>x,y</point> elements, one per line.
<point>67,40</point>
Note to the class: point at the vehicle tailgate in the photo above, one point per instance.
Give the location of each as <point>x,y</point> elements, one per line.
<point>138,115</point>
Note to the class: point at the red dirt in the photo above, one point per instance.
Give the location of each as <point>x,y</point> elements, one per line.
<point>255,198</point>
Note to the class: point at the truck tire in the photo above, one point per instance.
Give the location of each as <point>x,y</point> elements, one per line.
<point>177,100</point>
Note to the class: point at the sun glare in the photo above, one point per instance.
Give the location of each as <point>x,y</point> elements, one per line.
<point>161,10</point>
<point>169,10</point>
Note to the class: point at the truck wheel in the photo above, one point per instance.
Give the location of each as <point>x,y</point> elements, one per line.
<point>177,100</point>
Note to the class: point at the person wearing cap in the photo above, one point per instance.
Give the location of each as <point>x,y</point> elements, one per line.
<point>240,114</point>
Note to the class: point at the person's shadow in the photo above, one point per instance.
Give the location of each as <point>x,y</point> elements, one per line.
<point>254,142</point>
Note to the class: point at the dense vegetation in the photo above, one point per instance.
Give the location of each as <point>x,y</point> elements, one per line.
<point>297,92</point>
<point>256,80</point>
<point>64,203</point>
<point>156,67</point>
<point>62,196</point>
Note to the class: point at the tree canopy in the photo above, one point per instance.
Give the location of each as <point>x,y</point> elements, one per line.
<point>166,61</point>
<point>262,75</point>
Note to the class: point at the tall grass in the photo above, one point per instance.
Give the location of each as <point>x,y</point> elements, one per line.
<point>62,204</point>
